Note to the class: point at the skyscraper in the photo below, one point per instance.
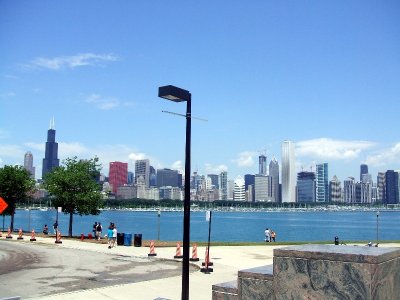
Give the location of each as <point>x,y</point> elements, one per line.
<point>118,175</point>
<point>274,179</point>
<point>223,185</point>
<point>288,172</point>
<point>335,190</point>
<point>349,190</point>
<point>381,183</point>
<point>142,169</point>
<point>249,185</point>
<point>50,160</point>
<point>306,187</point>
<point>168,177</point>
<point>261,184</point>
<point>239,193</point>
<point>262,165</point>
<point>28,164</point>
<point>322,183</point>
<point>363,170</point>
<point>392,187</point>
<point>214,180</point>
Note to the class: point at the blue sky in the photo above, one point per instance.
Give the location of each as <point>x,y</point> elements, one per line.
<point>324,74</point>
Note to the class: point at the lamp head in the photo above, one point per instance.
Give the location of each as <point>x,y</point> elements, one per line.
<point>174,93</point>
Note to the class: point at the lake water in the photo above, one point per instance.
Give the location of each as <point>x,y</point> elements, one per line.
<point>228,226</point>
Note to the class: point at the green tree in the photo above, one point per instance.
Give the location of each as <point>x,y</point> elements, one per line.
<point>16,185</point>
<point>75,188</point>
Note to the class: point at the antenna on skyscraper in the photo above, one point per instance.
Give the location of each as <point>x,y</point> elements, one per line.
<point>52,124</point>
<point>263,152</point>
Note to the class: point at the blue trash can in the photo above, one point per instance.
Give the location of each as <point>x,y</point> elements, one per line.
<point>128,239</point>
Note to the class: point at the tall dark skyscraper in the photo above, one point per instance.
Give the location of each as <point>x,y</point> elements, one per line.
<point>392,187</point>
<point>262,165</point>
<point>363,170</point>
<point>50,160</point>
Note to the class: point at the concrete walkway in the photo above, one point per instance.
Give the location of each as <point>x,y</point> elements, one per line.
<point>228,260</point>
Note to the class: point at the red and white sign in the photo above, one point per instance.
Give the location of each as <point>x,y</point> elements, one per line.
<point>3,205</point>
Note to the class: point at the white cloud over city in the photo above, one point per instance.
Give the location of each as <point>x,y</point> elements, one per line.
<point>106,103</point>
<point>70,62</point>
<point>245,159</point>
<point>325,148</point>
<point>385,157</point>
<point>215,169</point>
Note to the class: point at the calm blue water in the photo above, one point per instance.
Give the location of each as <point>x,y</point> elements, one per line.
<point>228,226</point>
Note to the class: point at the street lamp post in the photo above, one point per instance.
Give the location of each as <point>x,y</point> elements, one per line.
<point>377,227</point>
<point>158,224</point>
<point>176,94</point>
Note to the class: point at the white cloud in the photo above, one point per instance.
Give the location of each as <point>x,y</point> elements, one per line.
<point>106,103</point>
<point>385,157</point>
<point>245,159</point>
<point>137,156</point>
<point>211,169</point>
<point>102,102</point>
<point>12,151</point>
<point>72,149</point>
<point>70,62</point>
<point>325,148</point>
<point>178,165</point>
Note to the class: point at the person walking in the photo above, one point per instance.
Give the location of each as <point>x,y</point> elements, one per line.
<point>114,235</point>
<point>99,230</point>
<point>94,229</point>
<point>267,235</point>
<point>110,237</point>
<point>55,227</point>
<point>273,235</point>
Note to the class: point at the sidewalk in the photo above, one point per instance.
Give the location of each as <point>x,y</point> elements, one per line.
<point>228,260</point>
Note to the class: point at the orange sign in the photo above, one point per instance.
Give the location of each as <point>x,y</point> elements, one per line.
<point>3,205</point>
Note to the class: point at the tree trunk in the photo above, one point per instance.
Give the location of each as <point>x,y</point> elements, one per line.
<point>70,224</point>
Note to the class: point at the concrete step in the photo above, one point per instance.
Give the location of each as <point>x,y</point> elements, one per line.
<point>256,283</point>
<point>225,291</point>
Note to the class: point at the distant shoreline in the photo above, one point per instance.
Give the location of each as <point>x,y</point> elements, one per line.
<point>329,208</point>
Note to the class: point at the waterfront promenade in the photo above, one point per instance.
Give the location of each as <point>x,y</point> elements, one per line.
<point>228,260</point>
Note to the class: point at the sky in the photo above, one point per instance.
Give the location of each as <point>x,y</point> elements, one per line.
<point>323,74</point>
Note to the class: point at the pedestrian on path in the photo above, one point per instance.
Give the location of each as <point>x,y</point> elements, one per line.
<point>99,230</point>
<point>267,234</point>
<point>110,237</point>
<point>114,235</point>
<point>273,235</point>
<point>55,227</point>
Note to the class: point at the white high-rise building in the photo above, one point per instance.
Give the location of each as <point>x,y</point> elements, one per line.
<point>239,193</point>
<point>288,172</point>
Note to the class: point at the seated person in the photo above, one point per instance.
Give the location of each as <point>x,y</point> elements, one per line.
<point>45,229</point>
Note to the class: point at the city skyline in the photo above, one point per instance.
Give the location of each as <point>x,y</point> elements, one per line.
<point>323,75</point>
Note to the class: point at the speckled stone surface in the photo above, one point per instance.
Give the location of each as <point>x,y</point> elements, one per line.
<point>360,254</point>
<point>225,291</point>
<point>256,283</point>
<point>336,272</point>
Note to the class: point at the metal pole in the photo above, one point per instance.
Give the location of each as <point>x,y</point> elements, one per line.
<point>377,227</point>
<point>186,207</point>
<point>56,223</point>
<point>209,236</point>
<point>158,224</point>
